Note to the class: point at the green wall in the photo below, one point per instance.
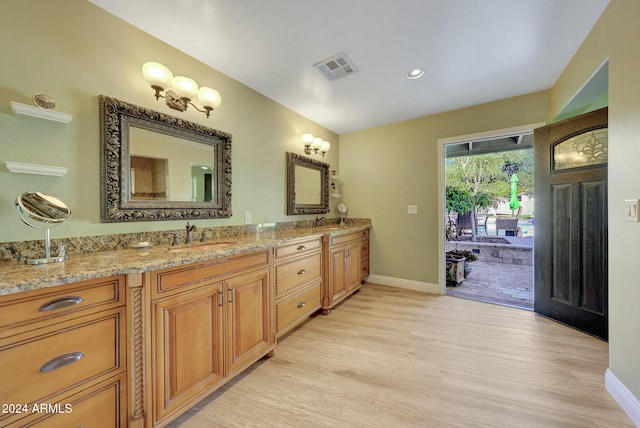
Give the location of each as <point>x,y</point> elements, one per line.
<point>74,52</point>
<point>389,167</point>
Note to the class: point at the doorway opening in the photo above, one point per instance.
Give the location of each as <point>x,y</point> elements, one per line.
<point>487,205</point>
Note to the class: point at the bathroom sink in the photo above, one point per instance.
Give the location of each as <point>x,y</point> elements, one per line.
<point>333,227</point>
<point>200,247</point>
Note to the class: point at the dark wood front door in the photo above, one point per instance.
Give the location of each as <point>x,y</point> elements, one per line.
<point>570,248</point>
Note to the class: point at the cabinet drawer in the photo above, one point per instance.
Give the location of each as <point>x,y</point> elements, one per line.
<point>101,406</point>
<point>173,279</point>
<point>364,234</point>
<point>297,272</point>
<point>364,249</point>
<point>23,308</point>
<point>341,239</point>
<point>62,357</point>
<point>364,268</point>
<point>292,309</point>
<point>298,247</point>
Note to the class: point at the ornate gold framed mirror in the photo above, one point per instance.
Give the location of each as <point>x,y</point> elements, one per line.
<point>159,167</point>
<point>307,185</point>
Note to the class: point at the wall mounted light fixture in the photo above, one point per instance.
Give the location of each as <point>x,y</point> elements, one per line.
<point>179,90</point>
<point>314,145</point>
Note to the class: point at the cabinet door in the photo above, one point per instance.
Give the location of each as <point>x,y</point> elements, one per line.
<point>338,281</point>
<point>189,348</point>
<point>352,266</point>
<point>250,331</point>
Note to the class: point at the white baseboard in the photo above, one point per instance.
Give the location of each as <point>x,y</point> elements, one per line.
<point>405,283</point>
<point>623,396</point>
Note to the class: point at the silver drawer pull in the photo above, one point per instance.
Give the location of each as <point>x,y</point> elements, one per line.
<point>301,247</point>
<point>61,361</point>
<point>302,304</point>
<point>302,272</point>
<point>62,302</point>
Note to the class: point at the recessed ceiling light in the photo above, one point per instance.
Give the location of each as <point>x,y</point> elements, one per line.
<point>415,73</point>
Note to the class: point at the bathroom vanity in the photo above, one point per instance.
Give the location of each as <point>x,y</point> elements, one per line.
<point>63,352</point>
<point>135,337</point>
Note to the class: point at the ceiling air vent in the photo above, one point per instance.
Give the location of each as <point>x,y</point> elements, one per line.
<point>336,67</point>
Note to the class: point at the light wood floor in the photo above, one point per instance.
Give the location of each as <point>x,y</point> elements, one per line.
<point>394,358</point>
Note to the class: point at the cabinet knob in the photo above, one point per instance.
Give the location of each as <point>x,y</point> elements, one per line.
<point>302,304</point>
<point>302,272</point>
<point>61,361</point>
<point>301,247</point>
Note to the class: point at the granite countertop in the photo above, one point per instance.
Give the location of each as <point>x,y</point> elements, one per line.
<point>16,276</point>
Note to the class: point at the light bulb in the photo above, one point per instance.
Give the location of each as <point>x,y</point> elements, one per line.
<point>324,148</point>
<point>209,98</point>
<point>306,138</point>
<point>184,87</point>
<point>157,75</point>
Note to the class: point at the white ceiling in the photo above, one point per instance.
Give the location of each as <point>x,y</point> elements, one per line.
<point>473,51</point>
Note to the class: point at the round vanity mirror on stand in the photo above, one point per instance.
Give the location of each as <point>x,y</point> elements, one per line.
<point>342,209</point>
<point>42,211</point>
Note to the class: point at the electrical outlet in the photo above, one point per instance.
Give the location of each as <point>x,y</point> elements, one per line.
<point>248,217</point>
<point>412,209</point>
<point>631,210</point>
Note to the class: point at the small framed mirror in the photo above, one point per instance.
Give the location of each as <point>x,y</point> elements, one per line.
<point>307,185</point>
<point>42,211</point>
<point>159,167</point>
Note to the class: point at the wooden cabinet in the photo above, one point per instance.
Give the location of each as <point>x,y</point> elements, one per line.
<point>364,255</point>
<point>59,348</point>
<point>298,272</point>
<point>343,276</point>
<point>210,321</point>
<point>137,350</point>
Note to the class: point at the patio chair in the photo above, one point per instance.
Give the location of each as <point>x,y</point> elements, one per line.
<point>464,222</point>
<point>481,223</point>
<point>508,224</point>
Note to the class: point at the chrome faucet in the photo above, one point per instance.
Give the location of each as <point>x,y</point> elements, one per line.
<point>190,228</point>
<point>318,221</point>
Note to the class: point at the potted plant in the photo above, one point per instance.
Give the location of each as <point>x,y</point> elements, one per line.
<point>458,262</point>
<point>468,256</point>
<point>454,264</point>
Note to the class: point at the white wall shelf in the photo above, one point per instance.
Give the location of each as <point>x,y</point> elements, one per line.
<point>40,113</point>
<point>29,168</point>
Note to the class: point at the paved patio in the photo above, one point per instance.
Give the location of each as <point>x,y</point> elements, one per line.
<point>500,283</point>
